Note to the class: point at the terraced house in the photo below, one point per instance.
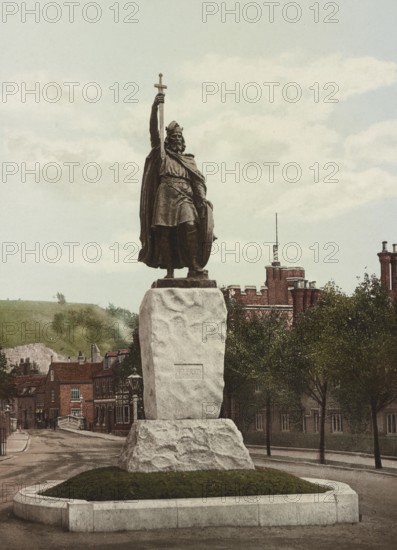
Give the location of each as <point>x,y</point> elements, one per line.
<point>69,390</point>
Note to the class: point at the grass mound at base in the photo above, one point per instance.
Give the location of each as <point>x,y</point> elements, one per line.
<point>112,483</point>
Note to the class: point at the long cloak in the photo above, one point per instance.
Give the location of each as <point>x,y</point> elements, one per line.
<point>150,253</point>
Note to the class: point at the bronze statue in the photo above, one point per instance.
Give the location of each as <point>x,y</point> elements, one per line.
<point>176,217</point>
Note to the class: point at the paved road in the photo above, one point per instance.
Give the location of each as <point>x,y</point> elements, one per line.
<point>58,455</point>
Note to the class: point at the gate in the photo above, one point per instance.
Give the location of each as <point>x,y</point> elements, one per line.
<point>3,441</point>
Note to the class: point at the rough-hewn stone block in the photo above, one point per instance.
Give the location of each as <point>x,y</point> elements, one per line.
<point>182,336</point>
<point>183,445</point>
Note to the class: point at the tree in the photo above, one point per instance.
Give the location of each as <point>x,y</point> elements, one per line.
<point>132,361</point>
<point>131,364</point>
<point>310,364</point>
<point>130,319</point>
<point>366,352</point>
<point>7,386</point>
<point>61,298</point>
<point>253,352</point>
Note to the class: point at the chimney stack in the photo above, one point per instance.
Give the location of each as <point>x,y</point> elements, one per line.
<point>393,261</point>
<point>384,258</point>
<point>298,293</point>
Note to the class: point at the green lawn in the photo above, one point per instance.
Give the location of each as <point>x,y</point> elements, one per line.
<point>113,483</point>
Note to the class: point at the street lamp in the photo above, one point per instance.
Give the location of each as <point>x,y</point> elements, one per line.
<point>81,413</point>
<point>134,381</point>
<point>7,410</point>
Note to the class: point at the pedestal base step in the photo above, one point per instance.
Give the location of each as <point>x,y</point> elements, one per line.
<point>184,445</point>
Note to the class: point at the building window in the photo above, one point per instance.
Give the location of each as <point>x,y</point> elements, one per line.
<point>126,414</point>
<point>75,393</point>
<point>258,388</point>
<point>118,414</point>
<point>336,423</point>
<point>392,423</point>
<point>52,396</point>
<point>96,419</point>
<point>316,421</point>
<point>51,375</point>
<point>304,425</point>
<point>122,414</point>
<point>285,422</point>
<point>259,422</point>
<point>75,412</point>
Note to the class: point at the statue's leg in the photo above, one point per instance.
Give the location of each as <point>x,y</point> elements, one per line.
<point>192,243</point>
<point>166,254</point>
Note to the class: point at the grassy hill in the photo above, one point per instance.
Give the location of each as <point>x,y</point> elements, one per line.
<point>66,328</point>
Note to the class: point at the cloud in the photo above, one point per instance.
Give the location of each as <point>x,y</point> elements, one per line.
<point>231,135</point>
<point>377,144</point>
<point>234,133</point>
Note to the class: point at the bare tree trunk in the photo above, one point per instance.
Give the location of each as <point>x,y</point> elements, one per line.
<point>322,424</point>
<point>268,426</point>
<point>378,460</point>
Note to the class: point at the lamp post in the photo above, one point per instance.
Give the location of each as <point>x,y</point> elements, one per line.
<point>134,381</point>
<point>7,410</point>
<point>81,413</point>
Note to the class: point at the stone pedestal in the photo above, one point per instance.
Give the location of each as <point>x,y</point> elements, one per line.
<point>182,333</point>
<point>182,336</point>
<point>184,445</point>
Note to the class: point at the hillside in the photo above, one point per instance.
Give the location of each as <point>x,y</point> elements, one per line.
<point>65,328</point>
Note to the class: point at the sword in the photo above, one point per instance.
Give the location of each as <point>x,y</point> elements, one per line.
<point>161,87</point>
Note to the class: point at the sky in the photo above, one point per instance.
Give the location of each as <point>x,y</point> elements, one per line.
<point>288,107</point>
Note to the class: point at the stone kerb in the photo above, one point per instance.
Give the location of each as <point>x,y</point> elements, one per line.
<point>338,505</point>
<point>29,505</point>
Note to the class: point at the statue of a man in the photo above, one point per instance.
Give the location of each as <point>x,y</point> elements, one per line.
<point>174,210</point>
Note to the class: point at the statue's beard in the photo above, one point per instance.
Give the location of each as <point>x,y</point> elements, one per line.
<point>176,147</point>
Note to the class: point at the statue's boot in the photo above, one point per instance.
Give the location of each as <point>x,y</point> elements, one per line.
<point>166,252</point>
<point>192,240</point>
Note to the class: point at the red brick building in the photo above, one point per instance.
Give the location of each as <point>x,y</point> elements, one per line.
<point>285,289</point>
<point>388,276</point>
<point>28,406</point>
<point>388,269</point>
<point>69,390</point>
<point>112,398</point>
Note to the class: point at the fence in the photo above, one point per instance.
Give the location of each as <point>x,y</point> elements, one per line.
<point>5,429</point>
<point>70,421</point>
<point>3,441</point>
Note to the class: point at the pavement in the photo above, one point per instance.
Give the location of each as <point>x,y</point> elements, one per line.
<point>332,458</point>
<point>109,437</point>
<point>19,442</point>
<point>60,454</point>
